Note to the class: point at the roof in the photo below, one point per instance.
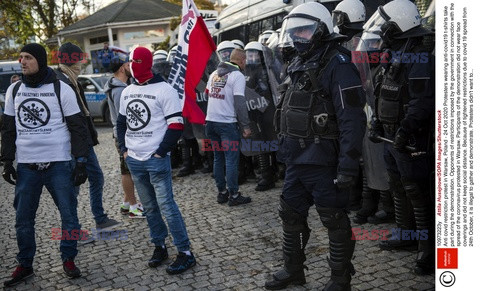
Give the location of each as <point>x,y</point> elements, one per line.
<point>127,11</point>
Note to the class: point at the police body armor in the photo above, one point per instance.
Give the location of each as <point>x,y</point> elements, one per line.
<point>306,109</point>
<point>392,98</point>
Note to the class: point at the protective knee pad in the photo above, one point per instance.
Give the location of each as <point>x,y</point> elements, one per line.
<point>291,219</point>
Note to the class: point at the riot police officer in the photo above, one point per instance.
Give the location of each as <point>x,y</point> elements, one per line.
<point>349,17</point>
<point>261,109</point>
<point>405,115</point>
<point>224,49</point>
<point>321,122</point>
<point>160,64</point>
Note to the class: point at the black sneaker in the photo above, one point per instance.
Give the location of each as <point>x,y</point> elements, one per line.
<point>70,269</point>
<point>19,275</point>
<point>222,197</point>
<point>160,254</point>
<point>238,200</point>
<point>181,264</point>
<point>108,224</point>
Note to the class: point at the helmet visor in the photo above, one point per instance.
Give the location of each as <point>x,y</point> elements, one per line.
<point>225,54</point>
<point>253,57</point>
<point>297,29</point>
<point>171,56</point>
<point>339,18</point>
<point>374,23</point>
<point>369,42</point>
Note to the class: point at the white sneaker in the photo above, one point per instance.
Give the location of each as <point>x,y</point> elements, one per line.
<point>136,213</point>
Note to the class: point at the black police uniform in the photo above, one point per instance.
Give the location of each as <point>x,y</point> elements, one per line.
<point>262,121</point>
<point>405,113</point>
<point>322,124</point>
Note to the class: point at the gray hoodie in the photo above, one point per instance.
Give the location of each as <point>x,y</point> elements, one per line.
<point>113,89</point>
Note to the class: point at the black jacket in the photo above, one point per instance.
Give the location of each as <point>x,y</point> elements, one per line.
<point>92,132</point>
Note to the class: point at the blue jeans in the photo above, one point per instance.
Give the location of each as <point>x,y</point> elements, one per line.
<point>96,181</point>
<point>58,181</point>
<point>227,132</point>
<point>153,181</point>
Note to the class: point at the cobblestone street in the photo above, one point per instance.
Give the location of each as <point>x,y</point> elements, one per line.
<point>237,248</point>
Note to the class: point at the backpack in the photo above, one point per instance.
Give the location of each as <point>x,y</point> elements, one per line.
<point>56,88</point>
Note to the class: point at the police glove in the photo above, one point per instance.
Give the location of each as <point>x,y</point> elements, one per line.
<point>376,131</point>
<point>9,173</point>
<point>345,182</point>
<point>80,173</point>
<point>401,140</point>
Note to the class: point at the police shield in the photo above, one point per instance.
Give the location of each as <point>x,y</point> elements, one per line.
<point>273,66</point>
<point>363,58</point>
<point>261,109</point>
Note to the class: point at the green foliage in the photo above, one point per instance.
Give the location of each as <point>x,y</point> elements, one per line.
<point>164,45</point>
<point>40,18</point>
<point>174,22</point>
<point>201,4</point>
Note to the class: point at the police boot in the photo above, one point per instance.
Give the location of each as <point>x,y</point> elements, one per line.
<point>422,208</point>
<point>403,216</point>
<point>187,166</point>
<point>341,248</point>
<point>267,180</point>
<point>295,237</point>
<point>386,212</point>
<point>197,160</point>
<point>175,157</point>
<point>249,168</point>
<point>369,203</point>
<point>355,193</point>
<point>242,169</point>
<point>281,170</point>
<point>208,163</point>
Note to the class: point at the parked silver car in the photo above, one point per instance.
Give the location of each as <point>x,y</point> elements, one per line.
<point>96,98</point>
<point>7,69</point>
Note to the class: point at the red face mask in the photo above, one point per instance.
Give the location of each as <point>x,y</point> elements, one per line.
<point>141,64</point>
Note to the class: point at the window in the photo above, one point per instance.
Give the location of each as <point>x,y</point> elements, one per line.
<point>101,39</point>
<point>253,31</point>
<point>267,23</point>
<point>236,33</point>
<point>87,85</point>
<point>144,34</point>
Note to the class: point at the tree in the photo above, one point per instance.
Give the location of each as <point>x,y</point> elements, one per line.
<point>164,45</point>
<point>40,18</point>
<point>201,4</point>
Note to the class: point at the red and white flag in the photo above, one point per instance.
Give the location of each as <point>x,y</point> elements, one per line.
<point>195,45</point>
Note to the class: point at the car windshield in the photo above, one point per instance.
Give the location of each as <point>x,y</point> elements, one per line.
<point>102,80</point>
